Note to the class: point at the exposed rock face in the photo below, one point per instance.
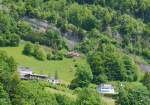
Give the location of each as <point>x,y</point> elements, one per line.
<point>145,68</point>
<point>70,37</point>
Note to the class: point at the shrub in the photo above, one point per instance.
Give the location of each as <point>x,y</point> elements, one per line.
<point>49,56</point>
<point>34,50</point>
<point>83,77</point>
<point>146,80</point>
<point>28,49</point>
<point>146,54</point>
<point>57,56</point>
<point>40,54</point>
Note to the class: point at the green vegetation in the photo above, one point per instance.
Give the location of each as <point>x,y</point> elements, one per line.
<point>34,50</point>
<point>134,94</point>
<point>83,77</point>
<point>111,65</point>
<point>146,80</point>
<point>112,36</point>
<point>65,68</point>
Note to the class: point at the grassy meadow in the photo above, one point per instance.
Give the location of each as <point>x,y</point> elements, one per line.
<point>65,68</point>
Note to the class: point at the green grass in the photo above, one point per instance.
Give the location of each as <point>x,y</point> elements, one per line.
<point>65,67</point>
<point>54,91</point>
<point>108,101</point>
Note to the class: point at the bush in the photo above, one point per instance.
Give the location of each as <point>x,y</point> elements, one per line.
<point>28,49</point>
<point>57,56</point>
<point>34,50</point>
<point>40,54</point>
<point>88,97</point>
<point>83,77</point>
<point>49,56</point>
<point>146,54</point>
<point>133,96</point>
<point>110,65</point>
<point>102,78</point>
<point>146,80</point>
<point>9,40</point>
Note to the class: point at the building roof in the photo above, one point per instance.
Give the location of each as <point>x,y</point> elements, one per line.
<point>37,75</point>
<point>24,69</point>
<point>107,86</point>
<point>106,89</point>
<point>73,53</point>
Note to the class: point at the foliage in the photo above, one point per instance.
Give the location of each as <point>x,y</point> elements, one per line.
<point>34,50</point>
<point>64,100</point>
<point>127,21</point>
<point>57,55</point>
<point>89,97</point>
<point>4,97</point>
<point>134,96</point>
<point>9,40</point>
<point>65,67</point>
<point>146,54</point>
<point>28,49</point>
<point>81,16</point>
<point>109,65</point>
<point>146,80</point>
<point>29,93</point>
<point>83,77</point>
<point>107,30</point>
<point>39,53</point>
<point>24,28</point>
<point>49,56</point>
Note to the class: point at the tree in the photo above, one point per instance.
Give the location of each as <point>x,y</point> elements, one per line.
<point>64,100</point>
<point>49,56</point>
<point>32,93</point>
<point>88,97</point>
<point>86,1</point>
<point>133,95</point>
<point>146,80</point>
<point>5,23</point>
<point>24,28</point>
<point>107,64</point>
<point>130,67</point>
<point>53,39</point>
<point>81,17</point>
<point>14,40</point>
<point>83,77</point>
<point>122,98</point>
<point>28,49</point>
<point>9,40</point>
<point>8,78</point>
<point>4,97</point>
<point>39,53</point>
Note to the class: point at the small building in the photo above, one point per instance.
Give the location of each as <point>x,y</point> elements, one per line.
<point>54,81</point>
<point>27,74</point>
<point>35,77</point>
<point>24,71</point>
<point>106,89</point>
<point>73,54</point>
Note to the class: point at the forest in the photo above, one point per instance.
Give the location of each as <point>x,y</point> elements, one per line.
<point>112,36</point>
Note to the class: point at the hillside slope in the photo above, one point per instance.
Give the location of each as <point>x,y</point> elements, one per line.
<point>65,68</point>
